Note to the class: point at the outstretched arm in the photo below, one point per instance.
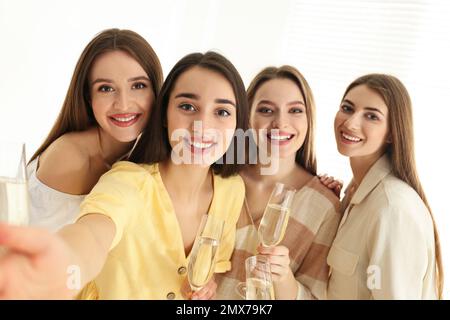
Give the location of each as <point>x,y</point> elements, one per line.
<point>38,264</point>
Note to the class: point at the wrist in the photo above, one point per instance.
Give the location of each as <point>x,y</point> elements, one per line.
<point>286,288</point>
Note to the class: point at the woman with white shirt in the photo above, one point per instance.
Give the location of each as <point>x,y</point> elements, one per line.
<point>106,107</point>
<point>387,244</point>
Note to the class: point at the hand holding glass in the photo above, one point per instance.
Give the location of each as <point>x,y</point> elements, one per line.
<point>203,256</point>
<point>276,216</point>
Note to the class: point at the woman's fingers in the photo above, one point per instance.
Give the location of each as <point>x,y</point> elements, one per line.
<point>283,261</point>
<point>207,292</point>
<point>325,179</point>
<point>334,185</point>
<point>23,239</point>
<point>35,264</point>
<point>185,289</point>
<point>278,270</point>
<point>279,261</point>
<point>331,183</point>
<point>277,250</point>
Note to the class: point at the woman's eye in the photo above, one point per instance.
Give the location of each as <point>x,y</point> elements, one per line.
<point>296,110</point>
<point>187,107</point>
<point>264,110</point>
<point>105,89</point>
<point>223,113</point>
<point>372,116</point>
<point>139,85</point>
<point>346,108</point>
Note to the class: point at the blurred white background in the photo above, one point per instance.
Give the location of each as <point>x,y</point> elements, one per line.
<point>330,42</point>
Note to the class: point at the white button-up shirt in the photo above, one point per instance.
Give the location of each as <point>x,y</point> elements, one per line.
<point>384,247</point>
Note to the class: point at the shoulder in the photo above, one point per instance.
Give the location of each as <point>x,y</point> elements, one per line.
<point>125,182</point>
<point>399,204</point>
<point>64,152</point>
<point>64,164</point>
<point>319,193</point>
<point>399,195</point>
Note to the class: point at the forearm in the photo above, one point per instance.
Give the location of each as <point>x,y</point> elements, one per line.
<point>88,241</point>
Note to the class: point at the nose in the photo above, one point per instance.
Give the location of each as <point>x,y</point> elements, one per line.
<point>201,123</point>
<point>353,122</point>
<point>279,121</point>
<point>123,101</point>
<point>207,126</point>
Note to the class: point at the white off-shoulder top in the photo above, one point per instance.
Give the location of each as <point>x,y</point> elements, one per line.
<point>50,208</point>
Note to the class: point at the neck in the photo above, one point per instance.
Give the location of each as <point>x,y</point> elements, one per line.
<point>281,173</point>
<point>361,165</point>
<point>111,149</point>
<point>193,178</point>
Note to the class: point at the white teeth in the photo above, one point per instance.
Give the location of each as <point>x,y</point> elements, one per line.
<point>126,119</point>
<point>280,137</point>
<point>200,145</point>
<point>351,138</point>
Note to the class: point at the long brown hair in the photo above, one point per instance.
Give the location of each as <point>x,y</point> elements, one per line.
<point>76,113</point>
<point>154,144</point>
<point>401,149</point>
<point>305,156</point>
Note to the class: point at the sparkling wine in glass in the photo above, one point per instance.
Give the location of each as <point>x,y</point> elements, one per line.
<point>203,256</point>
<point>14,201</point>
<point>258,280</point>
<point>276,216</point>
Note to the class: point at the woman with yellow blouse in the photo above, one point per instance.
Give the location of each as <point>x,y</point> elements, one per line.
<point>387,244</point>
<point>137,226</point>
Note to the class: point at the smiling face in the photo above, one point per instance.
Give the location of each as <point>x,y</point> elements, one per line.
<point>279,104</point>
<point>202,114</point>
<point>361,124</point>
<point>121,95</point>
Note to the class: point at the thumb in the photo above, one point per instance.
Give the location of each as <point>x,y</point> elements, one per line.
<point>25,240</point>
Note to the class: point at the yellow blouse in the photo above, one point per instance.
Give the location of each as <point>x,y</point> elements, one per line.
<point>147,258</point>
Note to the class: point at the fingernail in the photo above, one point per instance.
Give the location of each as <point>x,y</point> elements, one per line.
<point>194,298</point>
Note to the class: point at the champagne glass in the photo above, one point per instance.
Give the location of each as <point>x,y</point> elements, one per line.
<point>14,202</point>
<point>276,216</point>
<point>203,256</point>
<point>258,279</point>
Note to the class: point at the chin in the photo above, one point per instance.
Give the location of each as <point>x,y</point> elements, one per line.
<point>286,155</point>
<point>126,139</point>
<point>343,151</point>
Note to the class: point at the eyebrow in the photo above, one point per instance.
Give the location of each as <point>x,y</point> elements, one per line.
<point>365,108</point>
<point>289,103</point>
<point>194,96</point>
<point>129,80</point>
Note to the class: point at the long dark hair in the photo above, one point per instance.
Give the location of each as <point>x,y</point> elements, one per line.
<point>154,144</point>
<point>76,113</point>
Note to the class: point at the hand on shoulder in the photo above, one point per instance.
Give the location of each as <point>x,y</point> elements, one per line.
<point>331,183</point>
